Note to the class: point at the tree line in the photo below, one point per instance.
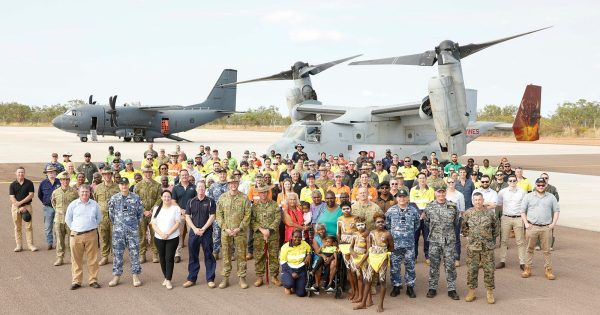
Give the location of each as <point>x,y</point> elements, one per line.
<point>580,118</point>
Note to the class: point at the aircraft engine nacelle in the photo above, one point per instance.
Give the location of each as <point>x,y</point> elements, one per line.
<point>449,120</point>
<point>425,110</point>
<point>294,98</point>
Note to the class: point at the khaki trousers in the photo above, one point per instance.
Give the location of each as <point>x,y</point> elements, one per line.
<point>18,222</point>
<point>515,224</point>
<point>541,233</point>
<point>84,244</point>
<point>61,238</point>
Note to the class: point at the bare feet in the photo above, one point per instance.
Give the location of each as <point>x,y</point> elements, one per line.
<point>380,309</point>
<point>369,303</point>
<point>360,307</point>
<point>351,296</point>
<point>356,300</point>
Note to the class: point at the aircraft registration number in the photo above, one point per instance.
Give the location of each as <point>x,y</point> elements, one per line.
<point>473,131</point>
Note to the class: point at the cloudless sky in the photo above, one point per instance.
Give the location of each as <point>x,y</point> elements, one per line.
<point>172,52</point>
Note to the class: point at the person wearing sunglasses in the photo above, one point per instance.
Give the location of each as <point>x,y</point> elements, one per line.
<point>540,213</point>
<point>509,200</point>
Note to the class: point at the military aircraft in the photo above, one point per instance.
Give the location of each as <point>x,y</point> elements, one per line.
<point>443,122</point>
<point>148,122</point>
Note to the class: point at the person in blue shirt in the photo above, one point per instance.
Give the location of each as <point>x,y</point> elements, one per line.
<point>47,186</point>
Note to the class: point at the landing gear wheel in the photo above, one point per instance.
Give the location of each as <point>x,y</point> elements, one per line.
<point>127,139</point>
<point>148,139</point>
<point>138,139</point>
<point>83,139</point>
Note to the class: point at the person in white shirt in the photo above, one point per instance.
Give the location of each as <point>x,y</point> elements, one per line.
<point>165,221</point>
<point>510,199</point>
<point>490,197</point>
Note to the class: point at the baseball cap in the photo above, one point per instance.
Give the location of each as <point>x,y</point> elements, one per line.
<point>128,161</point>
<point>388,150</point>
<point>540,181</point>
<point>402,192</point>
<point>310,175</point>
<point>123,181</point>
<point>101,165</point>
<point>439,187</point>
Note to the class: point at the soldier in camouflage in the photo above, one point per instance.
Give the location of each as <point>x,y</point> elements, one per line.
<point>233,215</point>
<point>125,211</point>
<point>402,220</point>
<point>441,216</point>
<point>479,224</point>
<point>61,198</point>
<point>102,194</point>
<point>265,219</point>
<point>214,192</point>
<point>149,192</point>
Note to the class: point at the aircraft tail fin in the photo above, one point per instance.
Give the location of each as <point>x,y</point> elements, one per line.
<point>223,98</point>
<point>527,122</point>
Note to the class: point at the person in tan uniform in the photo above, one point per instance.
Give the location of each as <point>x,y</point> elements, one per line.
<point>150,193</point>
<point>61,198</point>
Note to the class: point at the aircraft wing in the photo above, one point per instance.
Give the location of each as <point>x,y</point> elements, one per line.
<point>160,108</point>
<point>399,110</point>
<point>320,109</point>
<point>503,127</point>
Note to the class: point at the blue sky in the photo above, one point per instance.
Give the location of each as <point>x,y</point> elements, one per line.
<point>159,52</point>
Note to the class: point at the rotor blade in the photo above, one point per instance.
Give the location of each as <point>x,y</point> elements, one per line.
<point>427,58</point>
<point>91,99</point>
<point>470,49</point>
<point>312,70</point>
<point>284,75</point>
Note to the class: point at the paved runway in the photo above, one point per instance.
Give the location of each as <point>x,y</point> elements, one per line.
<point>30,284</point>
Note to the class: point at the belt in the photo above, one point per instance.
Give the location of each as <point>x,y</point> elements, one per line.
<point>84,232</point>
<point>540,225</point>
<point>512,216</point>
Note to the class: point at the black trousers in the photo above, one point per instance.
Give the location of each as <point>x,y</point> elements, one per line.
<point>166,254</point>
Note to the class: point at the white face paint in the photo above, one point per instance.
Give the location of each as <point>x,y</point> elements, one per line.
<point>361,226</point>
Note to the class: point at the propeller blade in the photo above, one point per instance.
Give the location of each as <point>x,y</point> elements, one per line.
<point>284,75</point>
<point>427,58</point>
<point>312,70</point>
<point>91,99</point>
<point>112,101</point>
<point>470,49</point>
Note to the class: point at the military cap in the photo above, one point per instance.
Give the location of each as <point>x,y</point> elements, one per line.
<point>50,168</point>
<point>147,169</point>
<point>232,179</point>
<point>402,192</point>
<point>64,175</point>
<point>258,175</point>
<point>439,187</point>
<point>262,189</point>
<point>123,181</point>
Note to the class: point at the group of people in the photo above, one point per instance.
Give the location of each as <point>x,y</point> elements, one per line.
<point>293,217</point>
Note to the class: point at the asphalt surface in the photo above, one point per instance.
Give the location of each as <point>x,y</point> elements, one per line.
<point>584,164</point>
<point>29,283</point>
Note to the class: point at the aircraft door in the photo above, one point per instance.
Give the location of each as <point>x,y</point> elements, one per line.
<point>94,125</point>
<point>164,126</point>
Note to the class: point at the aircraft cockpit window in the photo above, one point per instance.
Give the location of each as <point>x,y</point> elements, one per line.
<point>70,112</point>
<point>313,134</point>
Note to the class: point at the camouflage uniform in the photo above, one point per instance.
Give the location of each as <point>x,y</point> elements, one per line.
<point>441,220</point>
<point>435,182</point>
<point>324,182</point>
<point>149,193</point>
<point>60,201</point>
<point>366,211</point>
<point>481,228</point>
<point>266,215</point>
<point>233,211</point>
<point>402,224</point>
<point>125,213</point>
<point>102,195</point>
<point>214,192</point>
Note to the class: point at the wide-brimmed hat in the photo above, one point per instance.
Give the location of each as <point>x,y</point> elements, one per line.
<point>50,168</point>
<point>265,188</point>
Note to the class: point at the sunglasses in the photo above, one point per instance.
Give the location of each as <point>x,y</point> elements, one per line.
<point>546,178</point>
<point>406,161</point>
<point>485,181</point>
<point>541,185</point>
<point>498,174</point>
<point>394,184</point>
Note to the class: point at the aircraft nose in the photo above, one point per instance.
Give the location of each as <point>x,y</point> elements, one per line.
<point>56,122</point>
